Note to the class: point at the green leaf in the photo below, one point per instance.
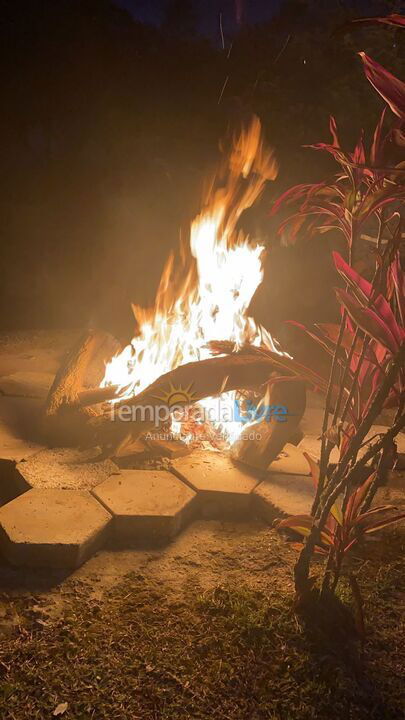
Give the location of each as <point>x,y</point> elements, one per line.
<point>303,524</point>
<point>314,468</point>
<point>336,511</point>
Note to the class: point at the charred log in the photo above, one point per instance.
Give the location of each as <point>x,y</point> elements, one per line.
<point>65,421</point>
<point>206,378</point>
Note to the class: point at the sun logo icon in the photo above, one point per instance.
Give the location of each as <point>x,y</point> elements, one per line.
<point>175,396</point>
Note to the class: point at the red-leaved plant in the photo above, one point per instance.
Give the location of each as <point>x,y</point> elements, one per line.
<point>346,525</point>
<point>367,348</point>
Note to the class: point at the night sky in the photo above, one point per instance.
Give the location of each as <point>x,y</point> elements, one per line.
<point>251,11</point>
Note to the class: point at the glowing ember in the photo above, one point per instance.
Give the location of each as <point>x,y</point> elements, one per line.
<point>204,294</point>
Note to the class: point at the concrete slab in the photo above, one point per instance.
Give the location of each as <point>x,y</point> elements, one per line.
<point>34,350</point>
<point>149,507</point>
<point>312,443</point>
<point>290,461</point>
<point>223,488</point>
<point>64,468</point>
<point>26,384</point>
<point>52,528</point>
<point>281,494</point>
<point>16,414</point>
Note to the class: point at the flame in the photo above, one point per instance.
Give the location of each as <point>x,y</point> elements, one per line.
<point>205,291</point>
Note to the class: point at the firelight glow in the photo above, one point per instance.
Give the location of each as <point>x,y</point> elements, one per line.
<point>204,292</point>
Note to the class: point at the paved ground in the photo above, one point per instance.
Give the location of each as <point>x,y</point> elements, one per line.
<point>144,506</point>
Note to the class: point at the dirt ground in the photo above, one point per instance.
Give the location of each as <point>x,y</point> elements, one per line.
<point>204,628</point>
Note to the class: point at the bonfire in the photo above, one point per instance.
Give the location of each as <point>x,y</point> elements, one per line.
<point>197,358</point>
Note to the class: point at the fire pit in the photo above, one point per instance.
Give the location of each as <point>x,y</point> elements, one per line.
<point>185,418</point>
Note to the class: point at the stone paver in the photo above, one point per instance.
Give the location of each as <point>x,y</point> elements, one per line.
<point>280,494</point>
<point>52,528</point>
<point>148,506</point>
<point>64,468</point>
<point>16,414</point>
<point>290,461</point>
<point>26,384</point>
<point>224,489</point>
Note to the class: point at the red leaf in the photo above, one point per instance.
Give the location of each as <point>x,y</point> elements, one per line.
<point>367,320</point>
<point>394,19</point>
<point>340,156</point>
<point>320,337</point>
<point>378,518</point>
<point>350,545</point>
<point>333,130</point>
<point>291,195</point>
<point>378,199</point>
<point>376,147</point>
<point>290,228</point>
<point>384,523</point>
<point>351,276</point>
<point>359,154</point>
<point>357,497</point>
<point>398,278</point>
<point>362,289</point>
<point>391,89</point>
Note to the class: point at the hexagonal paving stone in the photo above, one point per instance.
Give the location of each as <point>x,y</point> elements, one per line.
<point>281,494</point>
<point>290,461</point>
<point>65,469</point>
<point>16,417</point>
<point>148,506</point>
<point>223,488</point>
<point>52,528</point>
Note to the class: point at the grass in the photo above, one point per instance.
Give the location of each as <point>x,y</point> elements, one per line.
<point>232,652</point>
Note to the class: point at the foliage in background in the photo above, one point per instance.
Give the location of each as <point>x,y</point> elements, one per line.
<point>108,126</point>
<point>367,349</point>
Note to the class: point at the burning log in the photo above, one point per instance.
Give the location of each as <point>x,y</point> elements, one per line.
<point>206,378</point>
<point>69,378</point>
<point>205,293</point>
<point>95,396</point>
<point>264,440</point>
<point>65,418</point>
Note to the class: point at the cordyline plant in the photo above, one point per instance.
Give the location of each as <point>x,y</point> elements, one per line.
<point>346,525</point>
<point>367,349</point>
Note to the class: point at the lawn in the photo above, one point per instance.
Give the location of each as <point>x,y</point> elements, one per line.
<point>204,629</point>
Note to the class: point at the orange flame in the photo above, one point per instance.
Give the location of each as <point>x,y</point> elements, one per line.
<point>205,292</point>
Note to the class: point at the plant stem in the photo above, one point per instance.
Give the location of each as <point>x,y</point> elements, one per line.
<point>345,374</point>
<point>356,442</point>
<point>339,477</point>
<point>325,452</point>
<point>366,341</point>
